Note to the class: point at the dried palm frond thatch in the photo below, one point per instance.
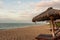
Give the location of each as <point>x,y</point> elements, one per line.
<point>46,14</point>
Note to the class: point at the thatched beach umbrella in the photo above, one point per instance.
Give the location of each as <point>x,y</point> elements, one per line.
<point>49,15</point>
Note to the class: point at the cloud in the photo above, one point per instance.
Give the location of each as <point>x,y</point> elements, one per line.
<point>1,4</point>
<point>56,0</point>
<point>51,3</point>
<point>42,5</point>
<point>18,10</point>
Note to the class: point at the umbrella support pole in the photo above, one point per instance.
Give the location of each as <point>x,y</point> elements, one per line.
<point>53,27</point>
<point>53,32</point>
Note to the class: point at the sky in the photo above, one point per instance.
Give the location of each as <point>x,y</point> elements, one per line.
<point>17,11</point>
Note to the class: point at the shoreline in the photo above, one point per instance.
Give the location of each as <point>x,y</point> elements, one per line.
<point>21,27</point>
<point>27,33</point>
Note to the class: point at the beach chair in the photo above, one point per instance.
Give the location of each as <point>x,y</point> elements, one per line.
<point>44,37</point>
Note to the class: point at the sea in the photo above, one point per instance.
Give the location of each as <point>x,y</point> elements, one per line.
<point>16,25</point>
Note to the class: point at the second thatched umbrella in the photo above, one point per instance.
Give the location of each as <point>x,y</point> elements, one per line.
<point>50,14</point>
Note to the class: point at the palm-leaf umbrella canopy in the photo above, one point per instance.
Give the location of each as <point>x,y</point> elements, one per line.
<point>46,15</point>
<point>50,14</point>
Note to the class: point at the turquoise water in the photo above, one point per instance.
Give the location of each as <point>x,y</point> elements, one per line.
<point>15,25</point>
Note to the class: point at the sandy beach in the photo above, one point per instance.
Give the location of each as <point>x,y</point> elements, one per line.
<point>27,33</point>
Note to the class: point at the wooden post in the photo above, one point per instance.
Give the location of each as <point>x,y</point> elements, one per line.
<point>52,24</point>
<point>35,22</point>
<point>53,32</point>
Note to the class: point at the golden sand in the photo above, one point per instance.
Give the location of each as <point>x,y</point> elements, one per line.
<point>27,33</point>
